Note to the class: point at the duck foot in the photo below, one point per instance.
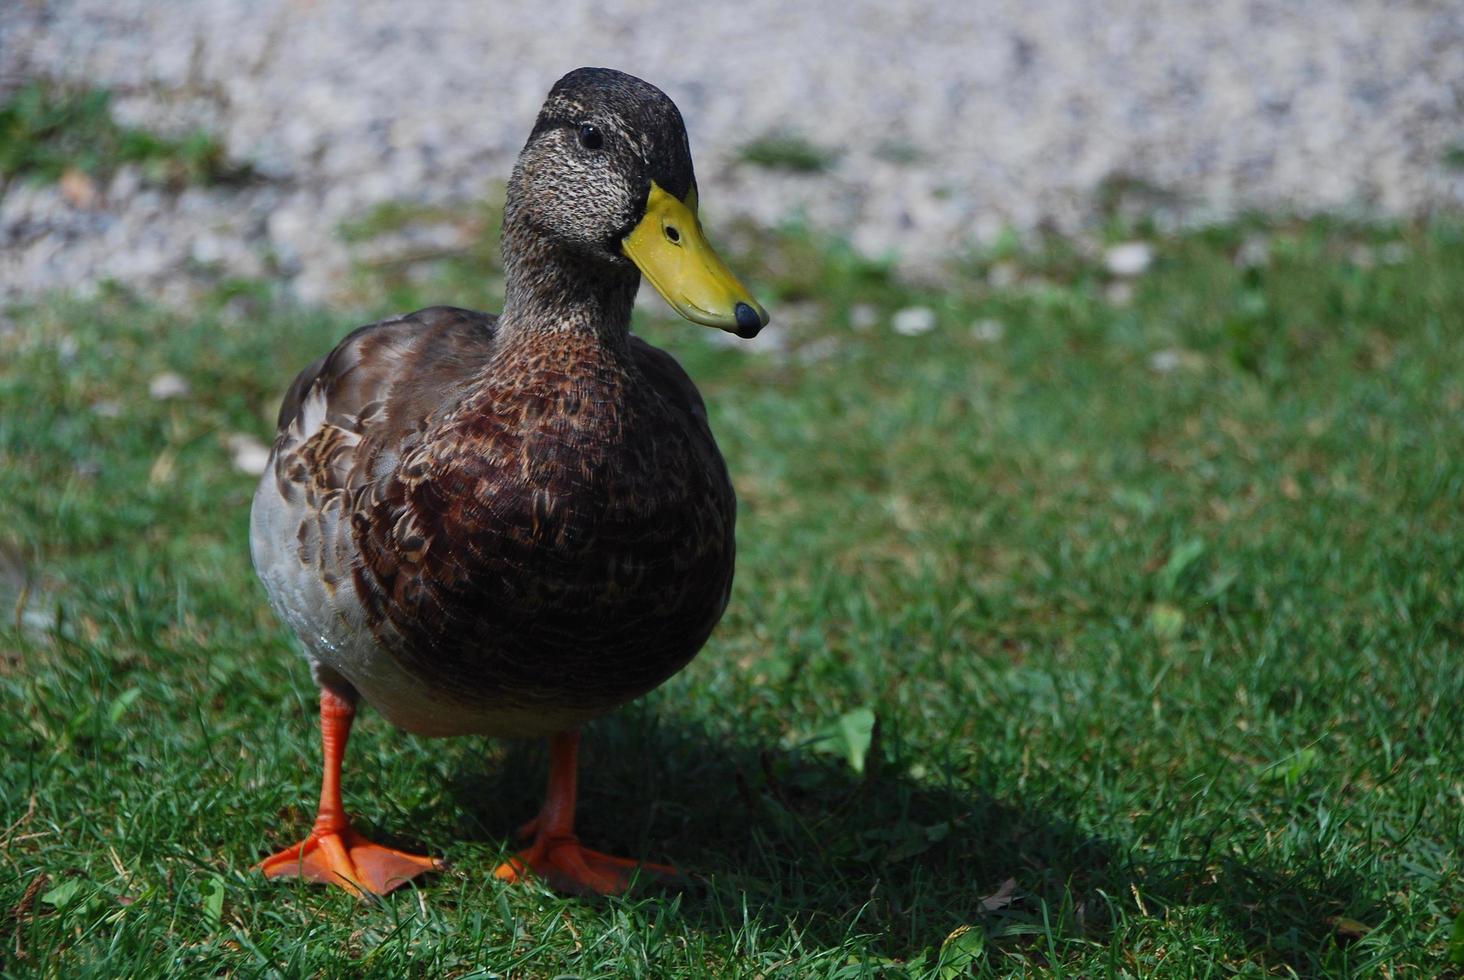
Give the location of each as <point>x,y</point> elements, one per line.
<point>568,866</point>
<point>556,855</point>
<point>348,859</point>
<point>334,853</point>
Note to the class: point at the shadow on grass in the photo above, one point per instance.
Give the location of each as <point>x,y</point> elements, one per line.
<point>799,841</point>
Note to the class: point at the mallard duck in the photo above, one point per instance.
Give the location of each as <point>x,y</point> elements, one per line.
<point>508,525</point>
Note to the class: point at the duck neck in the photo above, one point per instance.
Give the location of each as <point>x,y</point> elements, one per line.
<point>559,295</point>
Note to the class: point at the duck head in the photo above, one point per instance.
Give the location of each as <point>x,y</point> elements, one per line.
<point>606,175</point>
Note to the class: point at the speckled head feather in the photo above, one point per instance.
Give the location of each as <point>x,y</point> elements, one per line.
<point>643,128</point>
<point>589,198</point>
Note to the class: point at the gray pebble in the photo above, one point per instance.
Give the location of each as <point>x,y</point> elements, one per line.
<point>1012,114</point>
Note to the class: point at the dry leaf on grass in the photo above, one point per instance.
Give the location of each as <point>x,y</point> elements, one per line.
<point>1002,897</point>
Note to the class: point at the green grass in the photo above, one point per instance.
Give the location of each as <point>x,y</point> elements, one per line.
<point>47,129</point>
<point>1177,652</point>
<point>788,151</point>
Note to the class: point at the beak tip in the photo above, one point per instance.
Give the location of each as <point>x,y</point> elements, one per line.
<point>748,322</point>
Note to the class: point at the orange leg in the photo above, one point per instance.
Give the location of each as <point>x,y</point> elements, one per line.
<point>334,853</point>
<point>556,854</point>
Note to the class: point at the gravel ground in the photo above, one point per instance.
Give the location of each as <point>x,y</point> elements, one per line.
<point>950,121</point>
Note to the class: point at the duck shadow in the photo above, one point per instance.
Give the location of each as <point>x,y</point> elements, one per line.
<point>802,842</point>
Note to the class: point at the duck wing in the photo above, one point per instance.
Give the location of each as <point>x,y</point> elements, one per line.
<point>346,419</point>
<point>344,424</point>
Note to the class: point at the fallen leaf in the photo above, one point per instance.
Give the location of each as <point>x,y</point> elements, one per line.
<point>1348,928</point>
<point>849,736</point>
<point>1002,897</point>
<point>63,894</point>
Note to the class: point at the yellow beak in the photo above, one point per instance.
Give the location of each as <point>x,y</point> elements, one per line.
<point>672,252</point>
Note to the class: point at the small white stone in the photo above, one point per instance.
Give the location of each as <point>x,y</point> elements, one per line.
<point>988,331</point>
<point>1166,361</point>
<point>817,350</point>
<point>796,316</point>
<point>208,249</point>
<point>250,455</point>
<point>1254,252</point>
<point>913,321</point>
<point>1119,293</point>
<point>125,183</point>
<point>167,385</point>
<point>1129,258</point>
<point>771,339</point>
<point>40,620</point>
<point>1003,275</point>
<point>862,316</point>
<point>296,89</point>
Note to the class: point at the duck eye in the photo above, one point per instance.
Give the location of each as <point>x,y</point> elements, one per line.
<point>590,137</point>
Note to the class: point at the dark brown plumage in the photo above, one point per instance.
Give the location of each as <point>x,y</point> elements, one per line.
<point>507,525</point>
<point>556,535</point>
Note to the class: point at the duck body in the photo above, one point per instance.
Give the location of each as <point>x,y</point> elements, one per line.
<point>507,525</point>
<point>487,533</point>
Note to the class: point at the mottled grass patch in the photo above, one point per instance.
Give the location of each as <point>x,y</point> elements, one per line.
<point>1046,654</point>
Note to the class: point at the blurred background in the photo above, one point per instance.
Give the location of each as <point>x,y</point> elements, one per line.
<point>915,130</point>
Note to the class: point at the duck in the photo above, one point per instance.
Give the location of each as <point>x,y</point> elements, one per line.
<point>507,525</point>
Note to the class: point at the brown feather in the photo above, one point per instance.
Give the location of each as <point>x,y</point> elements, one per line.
<point>510,524</point>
